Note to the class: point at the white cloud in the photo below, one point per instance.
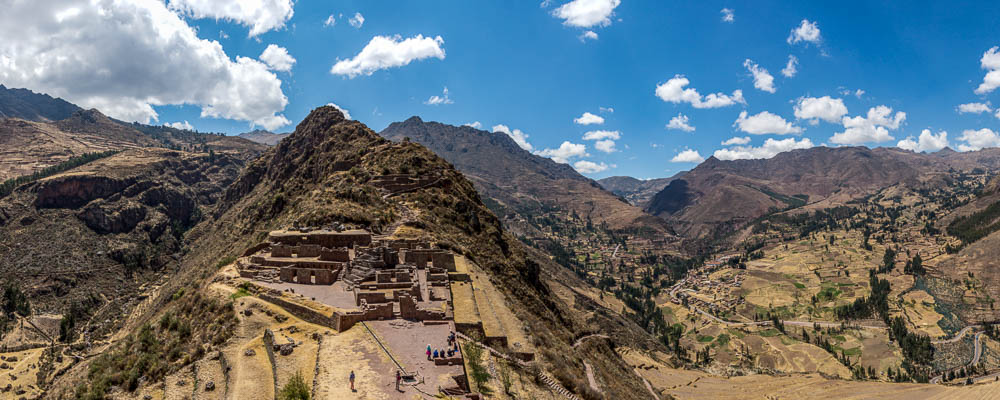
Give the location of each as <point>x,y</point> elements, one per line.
<point>991,63</point>
<point>330,21</point>
<point>978,140</point>
<point>180,125</point>
<point>223,34</point>
<point>601,135</point>
<point>770,149</point>
<point>475,124</point>
<point>357,20</point>
<point>765,123</point>
<point>974,108</point>
<point>871,129</point>
<point>805,32</point>
<point>587,13</point>
<point>124,58</point>
<point>792,67</point>
<point>588,119</point>
<point>607,146</point>
<point>607,109</point>
<point>673,91</point>
<point>997,114</point>
<point>341,109</point>
<point>437,100</point>
<point>737,141</point>
<point>680,122</point>
<point>856,93</point>
<point>565,151</point>
<point>588,35</point>
<point>727,15</point>
<point>689,156</point>
<point>823,108</point>
<point>384,52</point>
<point>589,167</point>
<point>260,15</point>
<point>277,58</point>
<point>761,78</point>
<point>519,137</point>
<point>927,142</point>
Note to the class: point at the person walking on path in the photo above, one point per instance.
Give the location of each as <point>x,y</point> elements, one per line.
<point>352,381</point>
<point>398,378</point>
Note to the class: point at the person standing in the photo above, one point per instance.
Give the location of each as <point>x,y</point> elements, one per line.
<point>428,352</point>
<point>352,381</point>
<point>398,378</point>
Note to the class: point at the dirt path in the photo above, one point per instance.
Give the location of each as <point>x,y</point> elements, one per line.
<point>596,335</point>
<point>590,378</point>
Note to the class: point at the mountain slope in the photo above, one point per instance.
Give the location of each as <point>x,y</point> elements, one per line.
<point>25,104</point>
<point>324,174</point>
<point>638,192</point>
<point>264,137</point>
<point>718,196</point>
<point>518,180</point>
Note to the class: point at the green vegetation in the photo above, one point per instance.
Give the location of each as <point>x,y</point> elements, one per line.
<point>14,302</point>
<point>705,338</point>
<point>185,332</point>
<point>295,389</point>
<point>973,227</point>
<point>477,372</point>
<point>8,186</point>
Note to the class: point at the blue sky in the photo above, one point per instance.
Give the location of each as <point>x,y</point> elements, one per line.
<point>520,65</point>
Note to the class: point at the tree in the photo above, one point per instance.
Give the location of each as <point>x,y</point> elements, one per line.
<point>295,389</point>
<point>474,353</point>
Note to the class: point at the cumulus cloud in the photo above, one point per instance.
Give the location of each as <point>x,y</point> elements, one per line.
<point>978,140</point>
<point>587,13</point>
<point>737,141</point>
<point>770,149</point>
<point>442,99</point>
<point>927,142</point>
<point>124,58</point>
<point>519,137</point>
<point>823,108</point>
<point>727,15</point>
<point>765,123</point>
<point>607,146</point>
<point>588,35</point>
<point>973,108</point>
<point>761,78</point>
<point>475,124</point>
<point>384,52</point>
<point>330,21</point>
<point>991,63</point>
<point>689,156</point>
<point>680,122</point>
<point>341,109</point>
<point>806,32</point>
<point>601,135</point>
<point>588,119</point>
<point>260,15</point>
<point>589,167</point>
<point>871,129</point>
<point>357,20</point>
<point>180,125</point>
<point>565,152</point>
<point>277,58</point>
<point>792,67</point>
<point>673,91</point>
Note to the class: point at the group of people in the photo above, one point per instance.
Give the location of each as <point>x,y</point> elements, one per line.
<point>444,353</point>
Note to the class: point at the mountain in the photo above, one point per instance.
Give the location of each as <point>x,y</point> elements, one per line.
<point>522,184</point>
<point>720,196</point>
<point>264,137</point>
<point>198,322</point>
<point>44,132</point>
<point>638,192</point>
<point>28,105</point>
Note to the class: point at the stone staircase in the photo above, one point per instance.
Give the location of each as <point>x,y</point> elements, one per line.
<point>358,274</point>
<point>544,376</point>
